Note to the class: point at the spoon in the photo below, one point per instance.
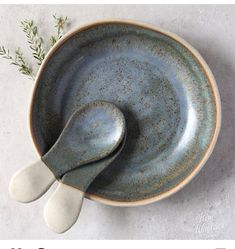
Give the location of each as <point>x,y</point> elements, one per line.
<point>92,133</point>
<point>63,208</point>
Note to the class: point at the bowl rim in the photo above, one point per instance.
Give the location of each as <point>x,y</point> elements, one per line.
<point>194,53</point>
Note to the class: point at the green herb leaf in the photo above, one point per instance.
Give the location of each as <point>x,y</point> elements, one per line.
<point>35,44</point>
<point>34,40</point>
<point>60,23</point>
<point>18,61</point>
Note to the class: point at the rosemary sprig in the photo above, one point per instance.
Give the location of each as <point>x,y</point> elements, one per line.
<point>36,42</point>
<point>60,23</point>
<point>18,61</point>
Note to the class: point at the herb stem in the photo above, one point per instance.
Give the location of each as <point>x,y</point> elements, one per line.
<point>35,42</point>
<point>18,61</point>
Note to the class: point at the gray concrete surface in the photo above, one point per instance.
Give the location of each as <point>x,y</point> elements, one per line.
<point>202,210</point>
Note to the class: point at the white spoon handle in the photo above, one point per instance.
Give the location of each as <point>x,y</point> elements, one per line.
<point>63,208</point>
<point>30,183</point>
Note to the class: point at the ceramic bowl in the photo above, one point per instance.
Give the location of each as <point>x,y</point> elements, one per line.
<point>163,86</point>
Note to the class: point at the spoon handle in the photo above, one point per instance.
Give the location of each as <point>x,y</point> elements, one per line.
<point>30,183</point>
<point>63,208</point>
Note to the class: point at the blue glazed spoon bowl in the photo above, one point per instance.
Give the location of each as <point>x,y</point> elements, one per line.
<point>162,84</point>
<point>92,133</point>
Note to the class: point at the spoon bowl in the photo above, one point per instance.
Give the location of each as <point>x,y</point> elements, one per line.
<point>92,133</point>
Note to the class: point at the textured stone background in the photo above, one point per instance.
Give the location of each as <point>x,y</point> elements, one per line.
<point>202,210</point>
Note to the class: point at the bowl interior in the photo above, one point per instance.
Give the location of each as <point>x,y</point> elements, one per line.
<point>162,89</point>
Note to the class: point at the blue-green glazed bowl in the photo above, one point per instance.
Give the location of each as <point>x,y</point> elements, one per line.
<point>163,86</point>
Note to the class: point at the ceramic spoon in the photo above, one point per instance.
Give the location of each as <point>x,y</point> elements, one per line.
<point>63,208</point>
<point>92,133</point>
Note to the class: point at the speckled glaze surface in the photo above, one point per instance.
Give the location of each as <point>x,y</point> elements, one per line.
<point>91,133</point>
<point>82,177</point>
<point>166,91</point>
